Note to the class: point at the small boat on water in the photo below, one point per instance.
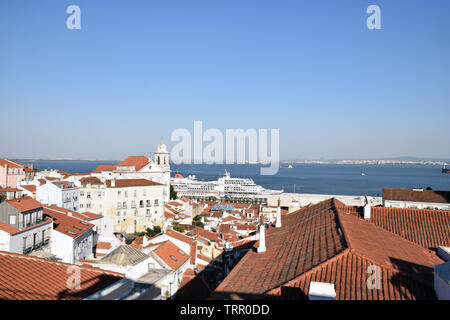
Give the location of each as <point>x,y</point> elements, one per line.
<point>287,167</point>
<point>445,170</point>
<point>363,174</point>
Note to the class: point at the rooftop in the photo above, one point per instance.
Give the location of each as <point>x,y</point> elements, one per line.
<point>326,243</point>
<point>30,278</point>
<point>431,196</point>
<point>124,255</point>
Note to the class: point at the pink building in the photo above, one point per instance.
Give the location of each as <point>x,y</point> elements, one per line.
<point>10,173</point>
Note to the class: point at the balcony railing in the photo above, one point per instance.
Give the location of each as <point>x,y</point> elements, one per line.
<point>37,245</point>
<point>27,250</point>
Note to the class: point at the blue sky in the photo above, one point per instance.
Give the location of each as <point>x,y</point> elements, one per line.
<point>137,70</point>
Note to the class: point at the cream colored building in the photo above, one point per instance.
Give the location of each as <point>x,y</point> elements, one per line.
<point>156,168</point>
<point>133,204</point>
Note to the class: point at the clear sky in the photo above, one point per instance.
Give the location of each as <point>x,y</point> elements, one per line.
<point>137,70</point>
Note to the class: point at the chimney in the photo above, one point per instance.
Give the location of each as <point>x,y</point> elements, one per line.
<point>367,211</point>
<point>113,183</point>
<point>278,223</point>
<point>262,239</point>
<point>321,291</point>
<point>442,281</point>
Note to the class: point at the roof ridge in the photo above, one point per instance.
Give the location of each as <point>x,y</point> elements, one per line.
<point>344,231</point>
<point>428,251</point>
<point>58,263</point>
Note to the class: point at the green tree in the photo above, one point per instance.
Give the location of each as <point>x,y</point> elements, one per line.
<point>153,232</point>
<point>178,228</point>
<point>173,194</point>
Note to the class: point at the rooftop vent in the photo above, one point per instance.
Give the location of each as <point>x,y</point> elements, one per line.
<point>321,291</point>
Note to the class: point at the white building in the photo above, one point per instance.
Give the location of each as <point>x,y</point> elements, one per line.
<point>23,228</point>
<point>160,271</point>
<point>141,167</point>
<point>72,238</point>
<point>60,193</point>
<point>416,199</point>
<point>133,204</point>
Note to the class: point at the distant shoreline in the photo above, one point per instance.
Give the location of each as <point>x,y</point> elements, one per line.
<point>293,162</point>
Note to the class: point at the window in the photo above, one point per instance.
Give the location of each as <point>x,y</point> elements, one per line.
<point>126,194</point>
<point>151,266</point>
<point>156,203</point>
<point>147,213</point>
<point>12,219</point>
<point>173,258</point>
<point>135,193</point>
<point>119,192</point>
<point>88,195</point>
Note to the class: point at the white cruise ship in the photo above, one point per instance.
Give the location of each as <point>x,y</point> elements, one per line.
<point>224,188</point>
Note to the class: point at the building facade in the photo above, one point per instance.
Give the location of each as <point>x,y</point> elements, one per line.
<point>133,204</point>
<point>11,173</point>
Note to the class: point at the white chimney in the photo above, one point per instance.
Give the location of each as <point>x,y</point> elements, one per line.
<point>442,281</point>
<point>367,211</point>
<point>278,223</point>
<point>321,291</point>
<point>113,183</point>
<point>262,239</point>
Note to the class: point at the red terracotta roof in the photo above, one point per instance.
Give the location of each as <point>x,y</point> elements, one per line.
<point>70,226</point>
<point>105,167</point>
<point>10,164</point>
<point>173,256</point>
<point>416,196</point>
<point>25,204</point>
<point>427,228</point>
<point>103,245</point>
<point>30,187</point>
<point>314,237</point>
<point>13,231</point>
<point>178,236</point>
<point>135,161</point>
<point>348,273</point>
<point>30,278</point>
<point>211,236</point>
<point>90,180</point>
<point>9,190</point>
<point>86,216</point>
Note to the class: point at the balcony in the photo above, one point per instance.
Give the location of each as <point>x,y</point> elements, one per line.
<point>37,245</point>
<point>27,250</point>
